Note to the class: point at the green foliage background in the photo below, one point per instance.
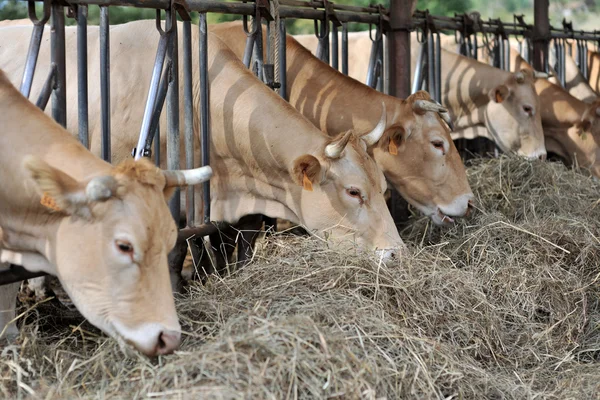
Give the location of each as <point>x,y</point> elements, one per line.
<point>585,18</point>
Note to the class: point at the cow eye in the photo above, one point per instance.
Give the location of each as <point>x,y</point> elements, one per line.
<point>528,110</point>
<point>124,246</point>
<point>439,145</point>
<point>353,192</point>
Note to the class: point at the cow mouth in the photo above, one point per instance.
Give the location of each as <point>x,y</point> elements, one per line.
<point>446,219</point>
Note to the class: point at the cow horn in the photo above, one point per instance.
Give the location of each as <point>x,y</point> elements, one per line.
<point>520,77</point>
<point>539,74</point>
<point>446,117</point>
<point>101,188</point>
<point>424,106</point>
<point>187,177</point>
<point>373,137</point>
<point>334,149</point>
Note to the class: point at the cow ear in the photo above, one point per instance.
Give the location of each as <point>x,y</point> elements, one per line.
<point>62,193</point>
<point>307,171</point>
<point>499,94</point>
<point>395,139</point>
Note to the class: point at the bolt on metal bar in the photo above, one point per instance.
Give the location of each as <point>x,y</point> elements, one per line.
<point>57,45</point>
<point>105,83</point>
<point>345,48</point>
<point>44,96</point>
<point>188,117</point>
<point>151,102</point>
<point>82,75</point>
<point>204,108</point>
<point>334,47</point>
<point>173,138</point>
<point>282,59</point>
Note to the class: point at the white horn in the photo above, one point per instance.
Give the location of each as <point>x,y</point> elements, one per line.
<point>334,150</point>
<point>187,177</point>
<point>539,74</point>
<point>422,106</point>
<point>446,117</point>
<point>373,137</point>
<point>101,188</point>
<point>520,77</point>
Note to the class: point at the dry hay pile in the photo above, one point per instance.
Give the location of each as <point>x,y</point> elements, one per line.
<point>504,305</point>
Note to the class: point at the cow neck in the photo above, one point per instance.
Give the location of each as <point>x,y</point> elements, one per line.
<point>559,108</point>
<point>466,87</point>
<point>332,101</point>
<point>255,138</point>
<point>29,132</point>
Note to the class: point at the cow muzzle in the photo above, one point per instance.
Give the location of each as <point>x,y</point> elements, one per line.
<point>151,339</point>
<point>445,215</point>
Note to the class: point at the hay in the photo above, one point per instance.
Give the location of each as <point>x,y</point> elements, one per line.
<point>503,305</point>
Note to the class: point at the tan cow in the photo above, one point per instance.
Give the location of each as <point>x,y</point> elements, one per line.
<point>416,153</point>
<point>104,231</point>
<point>267,158</point>
<point>571,126</point>
<point>481,99</point>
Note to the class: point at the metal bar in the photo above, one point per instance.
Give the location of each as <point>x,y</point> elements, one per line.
<point>430,65</point>
<point>371,78</point>
<point>282,59</point>
<point>151,102</point>
<point>16,273</point>
<point>44,96</point>
<point>57,44</point>
<point>188,117</point>
<point>379,65</point>
<point>82,75</point>
<point>173,140</point>
<point>563,63</point>
<point>418,78</point>
<point>506,54</point>
<point>438,68</point>
<point>259,53</point>
<point>204,109</point>
<point>345,48</point>
<point>105,82</point>
<point>156,140</point>
<point>32,56</point>
<point>541,32</point>
<point>323,39</point>
<point>249,49</point>
<point>586,72</point>
<point>501,52</point>
<point>161,95</point>
<point>334,56</point>
<point>475,56</point>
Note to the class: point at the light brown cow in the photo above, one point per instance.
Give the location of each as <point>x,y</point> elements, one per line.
<point>416,153</point>
<point>104,231</point>
<point>280,166</point>
<point>481,99</point>
<point>571,126</point>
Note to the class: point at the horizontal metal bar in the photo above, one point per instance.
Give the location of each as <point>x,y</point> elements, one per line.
<point>16,273</point>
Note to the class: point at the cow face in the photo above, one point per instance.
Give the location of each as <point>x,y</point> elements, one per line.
<point>343,196</point>
<point>110,249</point>
<point>513,119</point>
<point>418,157</point>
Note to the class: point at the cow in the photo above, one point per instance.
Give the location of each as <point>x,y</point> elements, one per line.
<point>571,126</point>
<point>416,153</point>
<point>482,100</point>
<point>594,70</point>
<point>281,166</point>
<point>103,230</point>
<point>575,83</point>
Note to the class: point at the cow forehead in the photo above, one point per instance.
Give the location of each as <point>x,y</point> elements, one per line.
<point>358,164</point>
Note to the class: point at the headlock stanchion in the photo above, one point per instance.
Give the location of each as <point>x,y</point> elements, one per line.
<point>34,44</point>
<point>82,75</point>
<point>105,82</point>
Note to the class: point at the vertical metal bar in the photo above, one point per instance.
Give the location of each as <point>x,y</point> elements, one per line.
<point>501,52</point>
<point>159,62</point>
<point>204,123</point>
<point>438,68</point>
<point>248,50</point>
<point>282,59</point>
<point>259,53</point>
<point>371,78</point>
<point>188,117</point>
<point>541,32</point>
<point>44,96</point>
<point>475,56</point>
<point>157,145</point>
<point>379,65</point>
<point>32,56</point>
<point>57,44</point>
<point>563,63</point>
<point>418,78</point>
<point>334,47</point>
<point>105,82</point>
<point>430,65</point>
<point>82,74</point>
<point>345,48</point>
<point>173,141</point>
<point>586,72</point>
<point>507,54</point>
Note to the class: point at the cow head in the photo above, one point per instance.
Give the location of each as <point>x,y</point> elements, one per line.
<point>110,247</point>
<point>417,155</point>
<point>343,195</point>
<point>513,116</point>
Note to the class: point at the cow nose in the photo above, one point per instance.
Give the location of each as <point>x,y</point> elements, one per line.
<point>542,157</point>
<point>470,208</point>
<point>168,341</point>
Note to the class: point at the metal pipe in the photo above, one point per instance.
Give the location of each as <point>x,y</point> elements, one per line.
<point>17,273</point>
<point>506,54</point>
<point>249,49</point>
<point>188,117</point>
<point>379,66</point>
<point>418,78</point>
<point>563,64</point>
<point>44,96</point>
<point>159,62</point>
<point>204,109</point>
<point>430,65</point>
<point>541,33</point>
<point>371,78</point>
<point>173,140</point>
<point>438,68</point>
<point>282,59</point>
<point>586,72</point>
<point>156,140</point>
<point>475,56</point>
<point>323,39</point>
<point>105,83</point>
<point>334,56</point>
<point>32,56</point>
<point>82,75</point>
<point>57,44</point>
<point>259,53</point>
<point>345,48</point>
<point>161,95</point>
<point>501,52</point>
